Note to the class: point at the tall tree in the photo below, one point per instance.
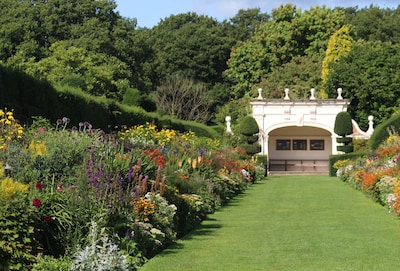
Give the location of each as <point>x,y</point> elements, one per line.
<point>289,33</point>
<point>339,45</point>
<point>370,77</point>
<point>246,21</point>
<point>299,75</point>
<point>191,44</point>
<point>374,23</point>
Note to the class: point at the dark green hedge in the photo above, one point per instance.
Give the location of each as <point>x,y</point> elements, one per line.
<point>30,97</point>
<point>343,125</point>
<point>248,126</point>
<point>345,140</point>
<point>381,132</point>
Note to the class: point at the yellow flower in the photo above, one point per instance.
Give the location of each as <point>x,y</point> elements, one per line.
<point>9,188</point>
<point>38,148</point>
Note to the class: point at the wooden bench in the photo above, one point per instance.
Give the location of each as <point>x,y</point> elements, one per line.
<point>305,165</point>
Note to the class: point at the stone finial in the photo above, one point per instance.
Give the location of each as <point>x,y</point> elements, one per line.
<point>286,94</point>
<point>339,91</point>
<point>228,124</point>
<point>312,91</point>
<point>260,94</point>
<point>370,125</point>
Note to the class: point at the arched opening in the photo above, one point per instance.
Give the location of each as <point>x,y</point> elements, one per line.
<point>304,148</point>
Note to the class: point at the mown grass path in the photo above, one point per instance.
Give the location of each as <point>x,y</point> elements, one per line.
<point>290,223</point>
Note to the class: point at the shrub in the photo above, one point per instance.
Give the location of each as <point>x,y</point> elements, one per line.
<point>49,263</point>
<point>248,129</point>
<point>248,126</point>
<point>383,130</point>
<point>99,254</point>
<point>343,125</point>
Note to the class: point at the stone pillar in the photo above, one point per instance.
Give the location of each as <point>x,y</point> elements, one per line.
<point>228,124</point>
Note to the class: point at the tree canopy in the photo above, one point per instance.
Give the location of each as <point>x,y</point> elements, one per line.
<point>87,44</point>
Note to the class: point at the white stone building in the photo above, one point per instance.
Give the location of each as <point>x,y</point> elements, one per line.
<point>298,135</point>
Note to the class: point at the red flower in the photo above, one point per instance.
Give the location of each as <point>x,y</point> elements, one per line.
<point>47,219</point>
<point>36,202</point>
<point>39,186</point>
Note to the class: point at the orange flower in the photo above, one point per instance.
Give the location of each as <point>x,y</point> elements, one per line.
<point>369,180</point>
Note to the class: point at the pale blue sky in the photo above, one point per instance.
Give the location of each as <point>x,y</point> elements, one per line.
<point>150,12</point>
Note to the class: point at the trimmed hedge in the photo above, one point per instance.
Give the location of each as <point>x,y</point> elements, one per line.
<point>381,132</point>
<point>343,125</point>
<point>345,140</point>
<point>30,97</point>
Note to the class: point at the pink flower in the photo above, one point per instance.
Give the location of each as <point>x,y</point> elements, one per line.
<point>42,130</point>
<point>36,202</point>
<point>60,187</point>
<point>39,186</point>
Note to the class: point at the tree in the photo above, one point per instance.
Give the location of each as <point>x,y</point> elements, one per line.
<point>374,23</point>
<point>288,34</point>
<point>339,45</point>
<point>245,23</point>
<point>370,77</point>
<point>192,44</point>
<point>100,74</point>
<point>182,97</point>
<point>300,75</point>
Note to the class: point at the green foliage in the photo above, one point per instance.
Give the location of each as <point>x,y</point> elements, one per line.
<point>248,129</point>
<point>374,23</point>
<point>19,244</point>
<point>182,45</point>
<point>300,75</point>
<point>236,109</point>
<point>383,131</point>
<point>182,97</point>
<point>49,263</point>
<point>248,126</point>
<point>345,140</point>
<point>250,148</point>
<point>262,159</point>
<point>339,44</point>
<point>343,125</point>
<point>245,23</point>
<point>337,157</point>
<point>361,145</point>
<point>369,77</point>
<point>133,97</point>
<point>290,33</point>
<point>345,148</point>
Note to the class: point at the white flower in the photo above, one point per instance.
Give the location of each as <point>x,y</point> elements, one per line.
<point>391,198</point>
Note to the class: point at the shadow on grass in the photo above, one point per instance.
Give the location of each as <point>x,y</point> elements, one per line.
<point>210,225</point>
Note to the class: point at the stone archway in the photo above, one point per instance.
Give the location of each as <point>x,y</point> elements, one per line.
<point>294,133</point>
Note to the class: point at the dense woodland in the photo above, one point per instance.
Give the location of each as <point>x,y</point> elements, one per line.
<point>196,68</point>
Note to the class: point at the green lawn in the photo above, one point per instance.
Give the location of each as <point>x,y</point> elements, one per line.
<point>291,223</point>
